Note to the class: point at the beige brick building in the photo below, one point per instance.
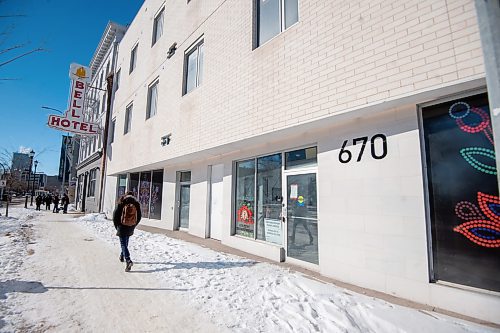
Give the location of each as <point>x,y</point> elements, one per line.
<point>348,137</point>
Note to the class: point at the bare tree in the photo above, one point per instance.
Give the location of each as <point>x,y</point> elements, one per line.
<point>11,53</point>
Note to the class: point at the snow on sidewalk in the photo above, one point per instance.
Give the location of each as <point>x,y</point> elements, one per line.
<point>247,296</point>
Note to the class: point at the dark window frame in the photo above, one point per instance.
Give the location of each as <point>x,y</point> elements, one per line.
<point>148,105</point>
<point>128,118</point>
<point>133,58</point>
<point>195,47</point>
<point>154,37</point>
<point>282,18</point>
<point>117,80</point>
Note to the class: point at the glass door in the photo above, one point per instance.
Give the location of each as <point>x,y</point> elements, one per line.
<point>184,206</point>
<point>183,198</point>
<point>302,217</point>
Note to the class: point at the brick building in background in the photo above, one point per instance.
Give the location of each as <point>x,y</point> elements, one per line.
<point>90,155</point>
<point>350,138</point>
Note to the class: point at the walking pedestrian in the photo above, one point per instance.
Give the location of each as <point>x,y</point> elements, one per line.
<point>56,204</point>
<point>125,218</point>
<point>48,201</point>
<point>38,201</point>
<point>65,203</point>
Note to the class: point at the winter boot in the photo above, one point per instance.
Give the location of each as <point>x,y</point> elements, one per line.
<point>121,258</point>
<point>129,266</point>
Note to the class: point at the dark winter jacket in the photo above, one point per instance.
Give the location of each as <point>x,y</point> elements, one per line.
<point>65,200</point>
<point>124,230</point>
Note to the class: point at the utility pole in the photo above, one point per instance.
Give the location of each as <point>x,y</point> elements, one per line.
<point>488,16</point>
<point>67,148</point>
<point>109,86</point>
<point>6,189</point>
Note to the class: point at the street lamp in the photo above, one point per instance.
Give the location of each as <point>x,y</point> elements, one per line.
<point>31,155</point>
<point>33,190</point>
<point>49,108</point>
<point>68,149</point>
<point>6,189</point>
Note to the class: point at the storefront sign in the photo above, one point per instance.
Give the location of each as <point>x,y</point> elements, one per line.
<point>272,230</point>
<point>245,215</point>
<point>294,188</point>
<point>73,119</point>
<point>79,72</point>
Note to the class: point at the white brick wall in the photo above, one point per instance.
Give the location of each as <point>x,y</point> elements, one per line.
<point>340,55</point>
<point>320,82</point>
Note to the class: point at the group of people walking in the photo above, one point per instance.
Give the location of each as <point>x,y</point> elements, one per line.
<point>49,198</point>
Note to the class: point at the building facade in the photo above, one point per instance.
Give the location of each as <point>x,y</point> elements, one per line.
<point>70,148</point>
<point>349,138</point>
<point>90,161</point>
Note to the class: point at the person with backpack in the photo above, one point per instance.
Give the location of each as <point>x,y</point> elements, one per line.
<point>125,218</point>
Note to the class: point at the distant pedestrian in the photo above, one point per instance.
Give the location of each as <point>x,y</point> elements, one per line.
<point>38,201</point>
<point>48,201</point>
<point>125,218</point>
<point>56,204</point>
<point>65,203</point>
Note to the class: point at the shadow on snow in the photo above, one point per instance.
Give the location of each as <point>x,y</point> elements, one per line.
<point>35,287</point>
<point>189,265</point>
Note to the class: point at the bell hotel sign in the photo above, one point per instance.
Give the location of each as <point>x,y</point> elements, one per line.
<point>73,119</point>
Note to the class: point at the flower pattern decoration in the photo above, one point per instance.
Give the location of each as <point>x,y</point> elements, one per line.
<point>483,223</point>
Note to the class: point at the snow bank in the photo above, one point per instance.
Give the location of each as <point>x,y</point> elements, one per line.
<point>247,296</point>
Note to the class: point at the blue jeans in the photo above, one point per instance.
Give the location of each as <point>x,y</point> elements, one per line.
<point>124,245</point>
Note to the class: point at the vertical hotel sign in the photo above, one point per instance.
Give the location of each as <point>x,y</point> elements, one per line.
<point>73,119</point>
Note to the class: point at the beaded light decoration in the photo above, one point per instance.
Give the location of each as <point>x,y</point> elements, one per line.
<point>457,107</point>
<point>483,126</point>
<point>480,230</point>
<point>467,154</point>
<point>468,211</point>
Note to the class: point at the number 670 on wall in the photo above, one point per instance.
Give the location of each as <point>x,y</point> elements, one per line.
<point>345,155</point>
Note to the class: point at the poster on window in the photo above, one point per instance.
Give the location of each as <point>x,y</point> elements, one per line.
<point>245,188</point>
<point>145,193</point>
<point>122,185</point>
<point>463,192</point>
<point>156,189</point>
<point>134,184</point>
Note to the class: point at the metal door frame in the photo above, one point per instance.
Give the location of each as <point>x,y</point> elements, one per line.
<point>178,185</point>
<point>285,174</point>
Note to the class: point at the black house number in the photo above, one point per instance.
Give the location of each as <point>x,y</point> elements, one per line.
<point>378,148</point>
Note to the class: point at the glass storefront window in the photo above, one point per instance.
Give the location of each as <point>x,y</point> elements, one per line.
<point>147,188</point>
<point>245,198</point>
<point>269,199</point>
<point>463,192</point>
<point>134,184</point>
<point>145,193</point>
<point>122,185</point>
<point>185,176</point>
<point>301,158</point>
<point>156,191</point>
